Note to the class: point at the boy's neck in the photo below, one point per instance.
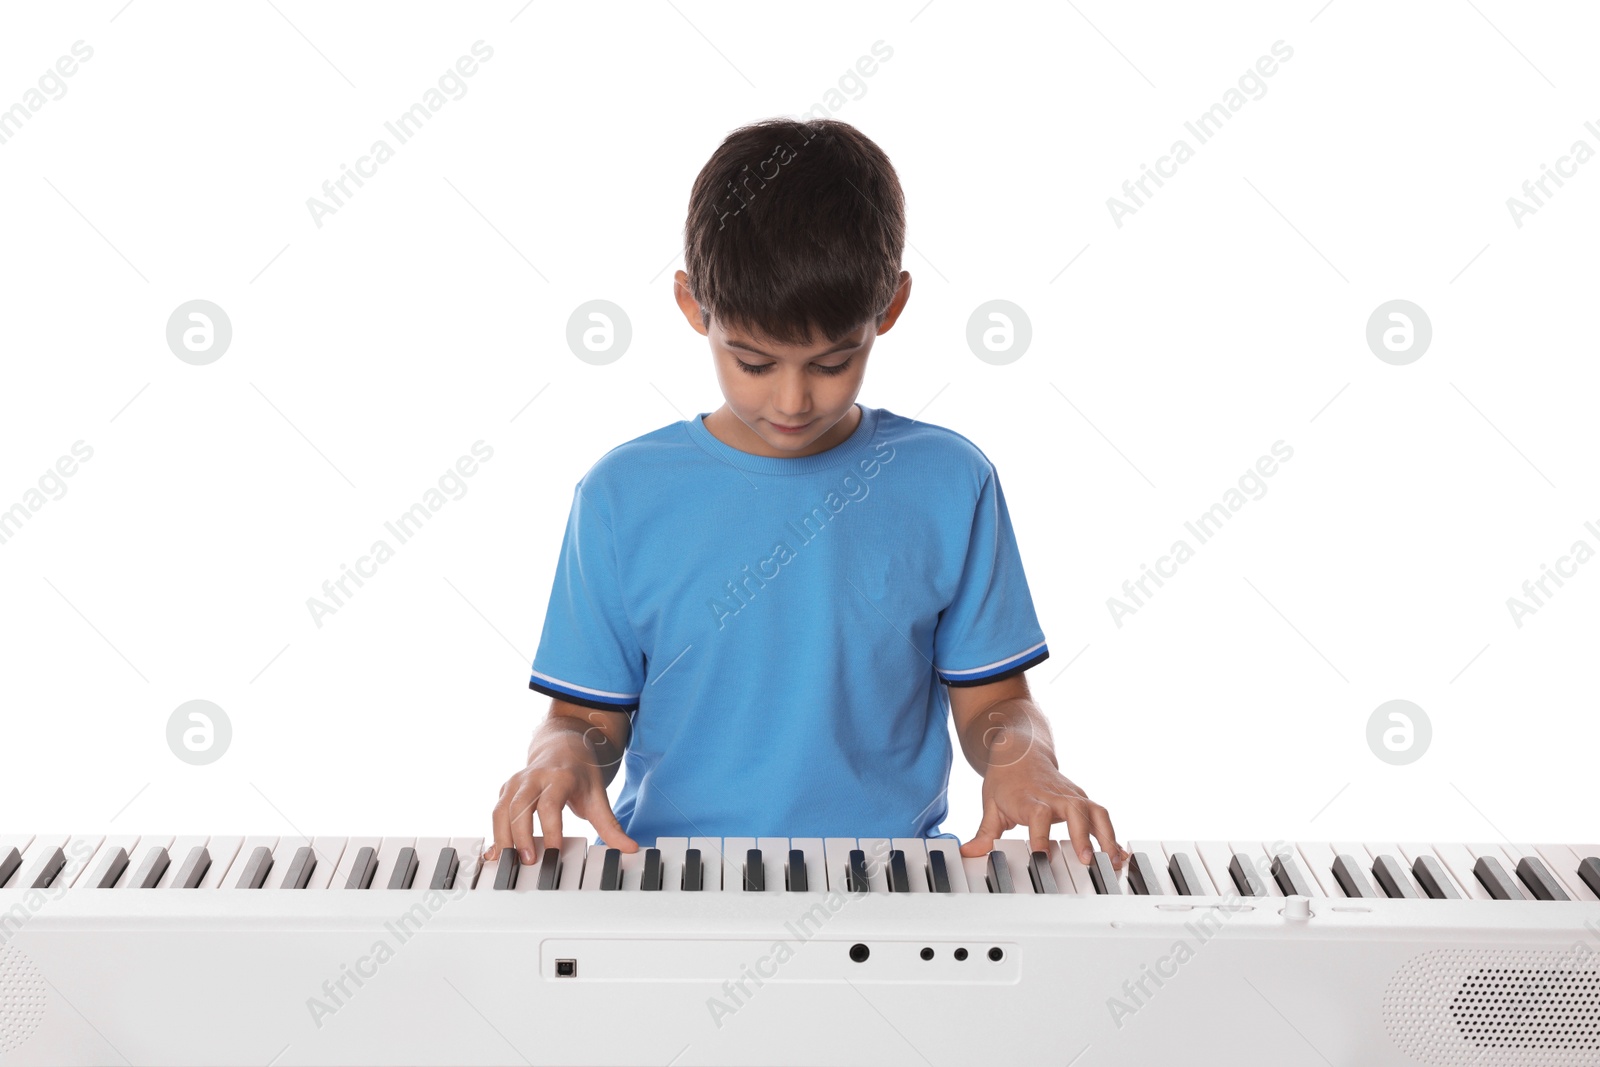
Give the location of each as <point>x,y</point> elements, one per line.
<point>728,428</point>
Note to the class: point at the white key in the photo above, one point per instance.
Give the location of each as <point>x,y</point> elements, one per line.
<point>34,858</point>
<point>574,857</point>
<point>816,865</point>
<point>877,855</point>
<point>954,870</point>
<point>221,851</point>
<point>235,871</point>
<point>80,850</point>
<point>734,851</point>
<point>96,868</point>
<point>469,852</point>
<point>1563,863</point>
<point>774,854</point>
<point>1017,856</point>
<point>916,850</point>
<point>1207,887</point>
<point>1458,860</point>
<point>672,850</point>
<point>1255,853</point>
<point>1072,874</point>
<point>347,861</point>
<point>1215,856</point>
<point>1317,861</point>
<point>710,864</point>
<point>428,849</point>
<point>836,850</point>
<point>329,851</point>
<point>1158,860</point>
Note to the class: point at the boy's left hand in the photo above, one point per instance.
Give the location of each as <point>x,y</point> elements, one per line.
<point>1032,792</point>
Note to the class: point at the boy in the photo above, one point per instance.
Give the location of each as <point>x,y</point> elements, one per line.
<point>759,609</point>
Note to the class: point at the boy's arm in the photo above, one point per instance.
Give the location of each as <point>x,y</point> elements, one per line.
<point>1006,738</point>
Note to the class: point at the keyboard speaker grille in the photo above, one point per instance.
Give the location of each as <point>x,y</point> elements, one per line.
<point>22,998</point>
<point>1497,1008</point>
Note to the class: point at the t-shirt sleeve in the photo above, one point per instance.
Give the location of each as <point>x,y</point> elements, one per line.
<point>989,631</point>
<point>588,652</point>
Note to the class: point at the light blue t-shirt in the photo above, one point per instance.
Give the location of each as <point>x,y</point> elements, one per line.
<point>782,629</point>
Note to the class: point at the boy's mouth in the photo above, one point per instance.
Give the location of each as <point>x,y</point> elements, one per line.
<point>790,429</point>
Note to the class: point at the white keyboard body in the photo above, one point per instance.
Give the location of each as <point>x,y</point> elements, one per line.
<point>469,975</point>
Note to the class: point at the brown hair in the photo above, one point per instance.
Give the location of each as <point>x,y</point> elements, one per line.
<point>795,227</point>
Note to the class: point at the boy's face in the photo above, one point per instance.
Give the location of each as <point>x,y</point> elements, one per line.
<point>787,400</point>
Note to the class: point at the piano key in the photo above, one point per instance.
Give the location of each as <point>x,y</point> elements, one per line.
<point>110,853</point>
<point>39,860</point>
<point>193,869</point>
<point>753,872</point>
<point>1103,875</point>
<point>469,855</point>
<point>549,869</point>
<point>938,872</point>
<point>1040,874</point>
<point>856,879</point>
<point>1458,861</point>
<point>1352,879</point>
<point>1390,874</point>
<point>611,870</point>
<point>794,872</point>
<point>1518,851</point>
<point>221,851</point>
<point>241,861</point>
<point>836,854</point>
<point>348,856</point>
<point>1540,882</point>
<point>1505,856</point>
<point>955,872</point>
<point>672,850</point>
<point>1563,863</point>
<point>9,842</point>
<point>897,876</point>
<point>1430,872</point>
<point>711,864</point>
<point>1144,875</point>
<point>1317,859</point>
<point>1589,871</point>
<point>1492,874</point>
<point>1254,853</point>
<point>1215,857</point>
<point>388,857</point>
<point>816,864</point>
<point>1188,877</point>
<point>650,874</point>
<point>1017,855</point>
<point>428,849</point>
<point>999,872</point>
<point>1242,872</point>
<point>80,849</point>
<point>574,862</point>
<point>365,866</point>
<point>735,850</point>
<point>301,865</point>
<point>256,869</point>
<point>405,868</point>
<point>151,868</point>
<point>1156,864</point>
<point>9,864</point>
<point>693,871</point>
<point>1077,871</point>
<point>877,851</point>
<point>506,869</point>
<point>774,856</point>
<point>916,855</point>
<point>108,869</point>
<point>1291,880</point>
<point>1434,879</point>
<point>326,853</point>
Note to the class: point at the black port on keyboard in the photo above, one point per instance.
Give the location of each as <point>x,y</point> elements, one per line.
<point>961,953</point>
<point>996,954</point>
<point>859,952</point>
<point>927,953</point>
<point>566,968</point>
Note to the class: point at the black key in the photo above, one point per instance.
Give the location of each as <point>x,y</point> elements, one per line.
<point>755,872</point>
<point>1142,875</point>
<point>505,873</point>
<point>899,880</point>
<point>1244,876</point>
<point>150,871</point>
<point>1589,871</point>
<point>1540,882</point>
<point>366,865</point>
<point>1043,878</point>
<point>193,871</point>
<point>1103,875</point>
<point>1430,875</point>
<point>444,871</point>
<point>255,869</point>
<point>405,869</point>
<point>650,877</point>
<point>797,871</point>
<point>999,876</point>
<point>550,868</point>
<point>1392,876</point>
<point>9,865</point>
<point>53,862</point>
<point>1351,878</point>
<point>611,870</point>
<point>300,868</point>
<point>693,876</point>
<point>110,869</point>
<point>1496,880</point>
<point>1184,878</point>
<point>855,875</point>
<point>938,873</point>
<point>1286,872</point>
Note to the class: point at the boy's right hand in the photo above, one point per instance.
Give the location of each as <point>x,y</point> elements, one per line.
<point>560,773</point>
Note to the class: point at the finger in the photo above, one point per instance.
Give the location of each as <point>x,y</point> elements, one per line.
<point>521,805</point>
<point>502,827</point>
<point>551,803</point>
<point>989,828</point>
<point>1078,829</point>
<point>1107,835</point>
<point>605,823</point>
<point>1039,829</point>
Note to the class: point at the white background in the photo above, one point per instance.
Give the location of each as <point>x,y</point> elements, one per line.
<point>1226,314</point>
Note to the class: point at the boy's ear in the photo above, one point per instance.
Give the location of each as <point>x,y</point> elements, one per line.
<point>693,313</point>
<point>901,294</point>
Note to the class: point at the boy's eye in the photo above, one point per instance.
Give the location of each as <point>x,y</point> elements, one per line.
<point>762,368</point>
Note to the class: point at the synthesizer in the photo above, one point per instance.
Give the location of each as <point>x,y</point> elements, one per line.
<point>806,951</point>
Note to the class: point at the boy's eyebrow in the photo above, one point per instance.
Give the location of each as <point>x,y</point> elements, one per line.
<point>840,347</point>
